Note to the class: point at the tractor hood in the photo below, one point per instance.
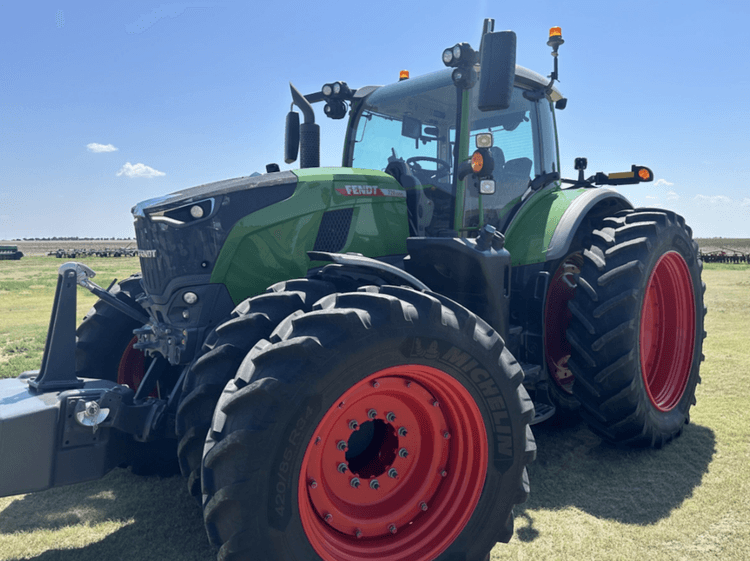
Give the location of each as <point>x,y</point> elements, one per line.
<point>218,188</point>
<point>180,235</point>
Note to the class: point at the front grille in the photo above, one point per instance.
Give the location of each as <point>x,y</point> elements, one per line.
<point>333,231</point>
<point>175,252</point>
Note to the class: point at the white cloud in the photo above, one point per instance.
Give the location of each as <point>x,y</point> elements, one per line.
<point>713,200</point>
<point>139,170</point>
<point>662,183</point>
<point>652,197</point>
<point>672,196</point>
<point>745,202</point>
<point>96,148</point>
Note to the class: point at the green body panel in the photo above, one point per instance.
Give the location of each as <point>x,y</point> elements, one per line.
<point>271,244</point>
<point>528,236</point>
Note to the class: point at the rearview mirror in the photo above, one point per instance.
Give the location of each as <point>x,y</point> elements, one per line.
<point>498,70</point>
<point>411,127</point>
<point>291,137</point>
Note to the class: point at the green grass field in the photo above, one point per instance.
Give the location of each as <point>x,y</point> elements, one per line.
<point>589,500</point>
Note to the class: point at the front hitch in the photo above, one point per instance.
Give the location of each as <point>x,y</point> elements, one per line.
<point>58,362</point>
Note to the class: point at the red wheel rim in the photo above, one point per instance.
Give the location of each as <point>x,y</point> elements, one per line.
<point>667,335</point>
<point>132,367</point>
<point>557,316</point>
<point>415,512</point>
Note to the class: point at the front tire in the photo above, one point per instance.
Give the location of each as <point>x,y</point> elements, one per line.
<point>385,424</point>
<point>222,353</point>
<point>637,327</point>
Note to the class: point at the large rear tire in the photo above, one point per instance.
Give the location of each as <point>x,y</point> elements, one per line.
<point>636,331</point>
<point>386,424</point>
<point>104,350</point>
<point>221,355</point>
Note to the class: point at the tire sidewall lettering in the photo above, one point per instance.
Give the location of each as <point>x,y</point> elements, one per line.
<point>465,366</point>
<point>284,471</point>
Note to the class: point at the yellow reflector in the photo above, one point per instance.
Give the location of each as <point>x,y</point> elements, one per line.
<point>403,75</point>
<point>477,162</point>
<point>555,32</point>
<point>644,174</point>
<point>621,175</point>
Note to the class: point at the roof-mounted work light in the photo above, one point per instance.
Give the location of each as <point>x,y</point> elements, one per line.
<point>462,57</point>
<point>461,54</point>
<point>337,90</point>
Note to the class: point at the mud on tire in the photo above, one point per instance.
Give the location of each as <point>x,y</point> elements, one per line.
<point>637,327</point>
<point>408,393</point>
<point>220,356</point>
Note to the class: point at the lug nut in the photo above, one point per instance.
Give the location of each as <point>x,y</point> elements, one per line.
<point>436,403</point>
<point>342,445</point>
<point>329,517</point>
<point>313,484</point>
<point>402,431</point>
<point>357,533</point>
<point>390,417</point>
<point>443,473</point>
<point>446,435</point>
<point>392,529</point>
<point>317,441</point>
<point>374,484</point>
<point>353,425</point>
<point>408,384</point>
<point>422,506</point>
<point>354,482</point>
<point>342,467</point>
<point>372,414</point>
<point>403,453</point>
<point>392,473</point>
<point>375,384</point>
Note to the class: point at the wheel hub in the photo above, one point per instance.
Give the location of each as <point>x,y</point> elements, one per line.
<point>384,473</point>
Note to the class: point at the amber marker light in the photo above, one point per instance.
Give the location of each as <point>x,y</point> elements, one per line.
<point>477,162</point>
<point>644,174</point>
<point>555,32</point>
<point>403,75</point>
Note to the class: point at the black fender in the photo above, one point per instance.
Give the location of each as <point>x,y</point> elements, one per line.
<point>592,202</point>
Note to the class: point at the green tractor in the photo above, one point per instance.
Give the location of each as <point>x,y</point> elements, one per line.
<point>345,362</point>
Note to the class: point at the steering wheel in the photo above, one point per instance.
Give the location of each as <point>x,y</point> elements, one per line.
<point>443,168</point>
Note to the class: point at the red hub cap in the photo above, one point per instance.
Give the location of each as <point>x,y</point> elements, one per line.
<point>395,469</point>
<point>562,289</point>
<point>667,335</point>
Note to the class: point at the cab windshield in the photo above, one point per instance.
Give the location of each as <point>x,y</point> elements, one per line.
<point>408,129</point>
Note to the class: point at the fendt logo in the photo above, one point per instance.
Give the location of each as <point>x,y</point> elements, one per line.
<point>146,253</point>
<point>369,191</point>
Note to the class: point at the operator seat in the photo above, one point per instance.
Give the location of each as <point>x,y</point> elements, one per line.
<point>419,206</point>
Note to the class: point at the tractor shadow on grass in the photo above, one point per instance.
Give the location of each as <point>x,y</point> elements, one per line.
<point>574,467</point>
<point>157,519</point>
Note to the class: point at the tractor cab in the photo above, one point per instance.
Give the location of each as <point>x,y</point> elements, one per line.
<point>422,130</point>
<point>408,130</point>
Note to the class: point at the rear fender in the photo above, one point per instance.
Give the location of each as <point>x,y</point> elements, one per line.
<point>545,226</point>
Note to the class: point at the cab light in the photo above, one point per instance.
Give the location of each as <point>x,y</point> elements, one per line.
<point>403,75</point>
<point>196,211</point>
<point>644,174</point>
<point>477,162</point>
<point>555,32</point>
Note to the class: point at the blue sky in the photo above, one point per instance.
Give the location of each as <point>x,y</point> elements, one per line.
<point>105,104</point>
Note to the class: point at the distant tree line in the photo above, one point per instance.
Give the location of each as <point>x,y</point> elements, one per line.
<point>65,239</point>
